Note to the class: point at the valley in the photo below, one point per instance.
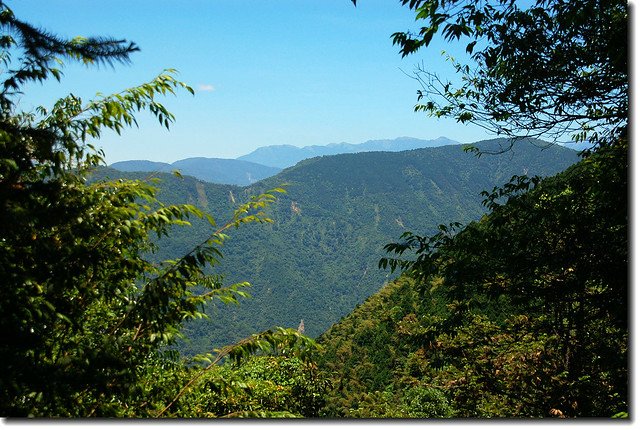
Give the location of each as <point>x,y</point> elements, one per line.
<point>319,258</point>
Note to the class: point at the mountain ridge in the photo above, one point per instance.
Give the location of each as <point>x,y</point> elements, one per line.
<point>283,156</point>
<point>215,170</point>
<point>267,161</point>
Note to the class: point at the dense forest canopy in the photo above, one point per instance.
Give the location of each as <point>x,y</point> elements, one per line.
<point>523,313</point>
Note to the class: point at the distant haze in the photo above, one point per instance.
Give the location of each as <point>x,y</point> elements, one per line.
<point>216,170</point>
<point>283,156</point>
<point>269,160</point>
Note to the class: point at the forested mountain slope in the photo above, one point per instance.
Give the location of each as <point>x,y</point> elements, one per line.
<point>524,313</point>
<point>319,258</point>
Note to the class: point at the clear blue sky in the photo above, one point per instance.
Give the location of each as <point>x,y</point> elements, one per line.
<point>266,72</point>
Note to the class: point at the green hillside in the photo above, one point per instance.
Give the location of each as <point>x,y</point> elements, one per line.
<point>523,313</point>
<point>319,259</point>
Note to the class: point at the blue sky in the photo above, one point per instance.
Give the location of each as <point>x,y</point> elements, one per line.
<point>266,72</point>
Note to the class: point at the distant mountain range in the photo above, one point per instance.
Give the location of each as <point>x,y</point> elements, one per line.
<point>216,170</point>
<point>269,160</point>
<point>288,155</point>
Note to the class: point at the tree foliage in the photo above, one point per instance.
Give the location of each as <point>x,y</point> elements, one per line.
<point>523,313</point>
<point>558,255</point>
<point>87,311</point>
<point>548,68</point>
<point>536,292</point>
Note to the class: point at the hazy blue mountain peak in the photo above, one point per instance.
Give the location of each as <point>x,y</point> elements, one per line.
<point>141,166</point>
<point>216,170</point>
<point>284,156</point>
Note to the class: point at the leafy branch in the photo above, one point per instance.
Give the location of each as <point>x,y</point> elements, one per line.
<point>277,341</point>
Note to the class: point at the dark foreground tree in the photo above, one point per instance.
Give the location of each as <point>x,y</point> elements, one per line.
<point>537,293</point>
<point>552,69</point>
<point>85,309</point>
<point>537,290</point>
